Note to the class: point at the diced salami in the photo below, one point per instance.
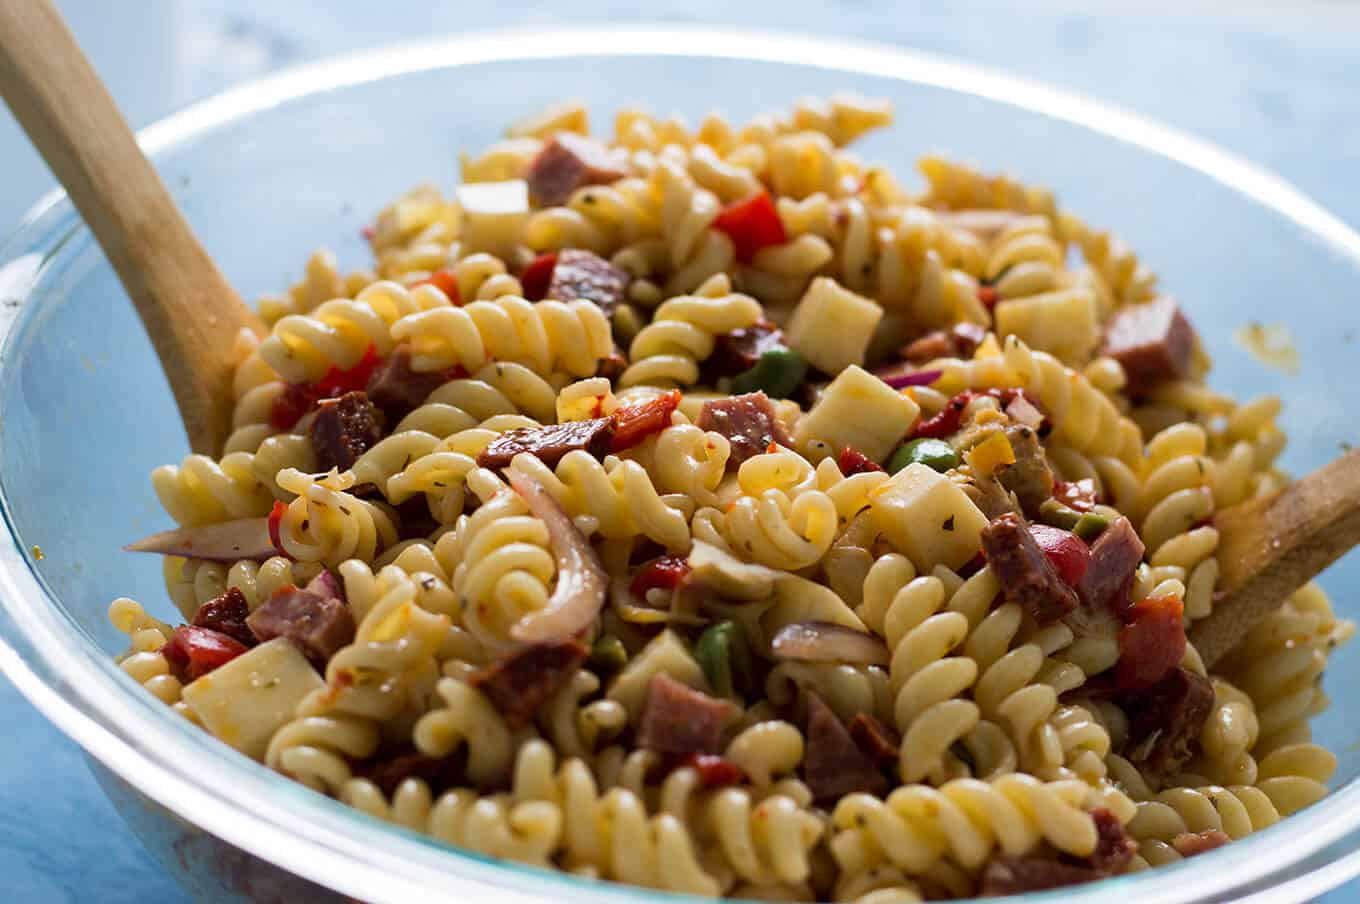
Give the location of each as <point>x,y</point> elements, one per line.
<point>1152,341</point>
<point>568,162</point>
<point>677,719</point>
<point>344,429</point>
<point>581,274</point>
<point>518,685</point>
<point>1027,576</point>
<point>1016,875</point>
<point>1115,556</point>
<point>319,626</point>
<point>740,350</point>
<point>227,614</point>
<point>1190,844</point>
<point>833,764</point>
<point>878,742</point>
<point>549,443</point>
<point>1114,847</point>
<point>960,341</point>
<point>1165,718</point>
<point>396,389</point>
<point>1029,477</point>
<point>748,421</point>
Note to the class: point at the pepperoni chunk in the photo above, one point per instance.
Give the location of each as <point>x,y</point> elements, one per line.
<point>549,443</point>
<point>520,684</point>
<point>581,274</point>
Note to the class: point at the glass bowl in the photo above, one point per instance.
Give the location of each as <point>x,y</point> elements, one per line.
<point>271,170</point>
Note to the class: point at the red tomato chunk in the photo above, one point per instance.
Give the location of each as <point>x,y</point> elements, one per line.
<point>194,652</point>
<point>752,224</point>
<point>536,277</point>
<point>1068,552</point>
<point>445,282</point>
<point>1152,643</point>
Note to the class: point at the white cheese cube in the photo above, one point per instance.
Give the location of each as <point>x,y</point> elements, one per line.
<point>666,653</point>
<point>494,215</point>
<point>245,701</point>
<point>831,326</point>
<point>928,517</point>
<point>1061,323</point>
<point>856,409</point>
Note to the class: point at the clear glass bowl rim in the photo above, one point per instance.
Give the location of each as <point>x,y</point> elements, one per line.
<point>73,683</point>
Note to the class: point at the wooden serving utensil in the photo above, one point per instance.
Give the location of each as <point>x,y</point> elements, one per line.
<point>190,311</point>
<point>1269,547</point>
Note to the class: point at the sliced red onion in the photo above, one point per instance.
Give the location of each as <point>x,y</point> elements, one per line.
<point>227,541</point>
<point>581,580</point>
<point>326,585</point>
<point>915,378</point>
<point>828,642</point>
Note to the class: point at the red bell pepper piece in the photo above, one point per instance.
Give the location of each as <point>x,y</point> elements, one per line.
<point>632,425</point>
<point>538,276</point>
<point>446,282</point>
<point>752,224</point>
<point>851,461</point>
<point>666,573</point>
<point>988,296</point>
<point>714,771</point>
<point>275,524</point>
<point>1068,552</point>
<point>194,652</point>
<point>1152,643</point>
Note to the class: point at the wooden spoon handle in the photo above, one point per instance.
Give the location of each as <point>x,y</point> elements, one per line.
<point>189,310</point>
<point>1270,547</point>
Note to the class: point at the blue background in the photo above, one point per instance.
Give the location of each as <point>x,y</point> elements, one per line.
<point>1276,82</point>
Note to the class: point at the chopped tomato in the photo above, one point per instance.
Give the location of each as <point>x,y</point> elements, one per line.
<point>194,652</point>
<point>947,422</point>
<point>275,524</point>
<point>667,573</point>
<point>1079,496</point>
<point>632,425</point>
<point>338,382</point>
<point>752,224</point>
<point>852,461</point>
<point>714,771</point>
<point>538,276</point>
<point>446,282</point>
<point>988,296</point>
<point>1152,643</point>
<point>1068,552</point>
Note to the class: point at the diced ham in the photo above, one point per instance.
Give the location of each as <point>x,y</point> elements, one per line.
<point>192,652</point>
<point>327,584</point>
<point>568,162</point>
<point>740,350</point>
<point>1029,477</point>
<point>878,742</point>
<point>1165,718</point>
<point>833,765</point>
<point>748,421</point>
<point>1152,341</point>
<point>317,625</point>
<point>1026,575</point>
<point>1016,875</point>
<point>1189,844</point>
<point>519,685</point>
<point>677,719</point>
<point>1114,847</point>
<point>1115,556</point>
<point>343,429</point>
<point>581,274</point>
<point>550,443</point>
<point>396,389</point>
<point>960,341</point>
<point>227,614</point>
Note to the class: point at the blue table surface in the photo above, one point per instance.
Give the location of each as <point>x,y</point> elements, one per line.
<point>1274,81</point>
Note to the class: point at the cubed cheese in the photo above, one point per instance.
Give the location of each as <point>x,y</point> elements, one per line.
<point>856,409</point>
<point>666,653</point>
<point>1060,323</point>
<point>928,517</point>
<point>494,214</point>
<point>245,701</point>
<point>831,326</point>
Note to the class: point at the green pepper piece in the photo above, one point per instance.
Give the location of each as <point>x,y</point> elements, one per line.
<point>607,655</point>
<point>1055,514</point>
<point>725,659</point>
<point>779,372</point>
<point>933,453</point>
<point>1090,525</point>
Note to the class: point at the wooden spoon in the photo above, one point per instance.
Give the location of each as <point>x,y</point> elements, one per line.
<point>192,315</point>
<point>1270,547</point>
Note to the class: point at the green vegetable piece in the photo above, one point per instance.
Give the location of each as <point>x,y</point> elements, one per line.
<point>1055,514</point>
<point>607,655</point>
<point>933,453</point>
<point>779,372</point>
<point>725,659</point>
<point>1090,525</point>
